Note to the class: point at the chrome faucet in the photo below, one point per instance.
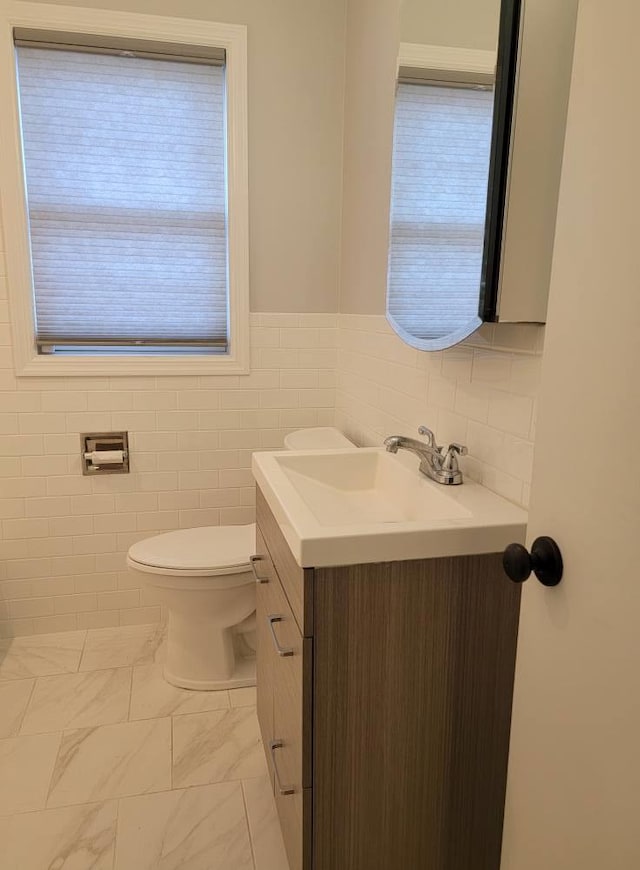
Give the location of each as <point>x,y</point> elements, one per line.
<point>434,462</point>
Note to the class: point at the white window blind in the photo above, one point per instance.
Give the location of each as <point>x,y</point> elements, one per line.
<point>125,169</point>
<point>439,195</point>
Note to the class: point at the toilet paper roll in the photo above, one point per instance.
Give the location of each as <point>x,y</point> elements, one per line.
<point>105,457</point>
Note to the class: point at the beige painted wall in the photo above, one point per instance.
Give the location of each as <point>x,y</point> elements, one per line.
<point>373,36</point>
<point>462,23</point>
<point>296,69</point>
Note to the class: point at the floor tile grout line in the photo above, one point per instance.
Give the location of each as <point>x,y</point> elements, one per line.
<point>91,803</point>
<point>120,667</point>
<point>173,713</point>
<point>103,800</point>
<point>4,682</point>
<point>223,710</point>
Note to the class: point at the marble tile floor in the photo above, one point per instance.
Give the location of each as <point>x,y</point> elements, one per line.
<point>104,766</point>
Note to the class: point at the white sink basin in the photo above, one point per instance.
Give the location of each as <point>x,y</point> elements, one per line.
<point>346,507</point>
<point>364,486</point>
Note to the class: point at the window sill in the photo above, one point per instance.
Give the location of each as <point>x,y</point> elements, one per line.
<point>43,366</point>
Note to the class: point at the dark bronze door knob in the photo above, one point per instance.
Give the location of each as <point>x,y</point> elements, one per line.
<point>545,560</point>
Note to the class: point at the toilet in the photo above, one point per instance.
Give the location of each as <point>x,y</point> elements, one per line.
<point>203,577</point>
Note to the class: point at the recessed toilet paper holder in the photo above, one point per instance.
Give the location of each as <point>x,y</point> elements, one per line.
<point>105,453</point>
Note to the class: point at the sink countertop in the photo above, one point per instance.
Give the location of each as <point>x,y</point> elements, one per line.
<point>354,506</point>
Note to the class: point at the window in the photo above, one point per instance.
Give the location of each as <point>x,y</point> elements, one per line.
<point>135,222</point>
<point>125,172</point>
<point>442,140</point>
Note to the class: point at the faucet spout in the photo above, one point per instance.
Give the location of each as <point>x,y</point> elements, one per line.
<point>397,442</point>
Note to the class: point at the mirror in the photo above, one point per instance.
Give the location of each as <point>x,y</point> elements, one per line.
<point>454,106</point>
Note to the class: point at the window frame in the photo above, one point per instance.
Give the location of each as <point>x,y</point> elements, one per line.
<point>230,37</point>
<point>441,60</point>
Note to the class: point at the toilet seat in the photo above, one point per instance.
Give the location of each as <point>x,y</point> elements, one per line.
<point>208,551</point>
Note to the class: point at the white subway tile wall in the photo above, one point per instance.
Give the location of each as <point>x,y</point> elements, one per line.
<point>479,394</point>
<point>64,536</point>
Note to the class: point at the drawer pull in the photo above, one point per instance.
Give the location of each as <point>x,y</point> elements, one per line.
<point>280,650</point>
<point>282,789</point>
<point>254,561</point>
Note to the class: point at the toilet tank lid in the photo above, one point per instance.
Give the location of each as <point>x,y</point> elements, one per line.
<point>198,549</point>
<point>317,438</point>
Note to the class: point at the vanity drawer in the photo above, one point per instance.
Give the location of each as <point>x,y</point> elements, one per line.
<point>297,582</point>
<point>266,603</point>
<point>287,657</point>
<point>262,565</point>
<point>290,656</point>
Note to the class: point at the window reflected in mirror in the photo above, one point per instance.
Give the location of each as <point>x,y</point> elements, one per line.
<point>442,143</point>
<point>453,114</point>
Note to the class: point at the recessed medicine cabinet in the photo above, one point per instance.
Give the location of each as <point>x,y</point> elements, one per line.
<point>480,116</point>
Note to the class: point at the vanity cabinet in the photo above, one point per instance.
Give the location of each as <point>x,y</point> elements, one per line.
<point>384,700</point>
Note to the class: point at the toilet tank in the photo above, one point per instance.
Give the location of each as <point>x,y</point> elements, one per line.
<point>317,438</point>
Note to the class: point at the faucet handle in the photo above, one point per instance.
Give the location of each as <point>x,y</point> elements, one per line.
<point>428,434</point>
<point>450,461</point>
<point>460,449</point>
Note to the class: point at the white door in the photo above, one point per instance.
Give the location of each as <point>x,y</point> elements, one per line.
<point>573,797</point>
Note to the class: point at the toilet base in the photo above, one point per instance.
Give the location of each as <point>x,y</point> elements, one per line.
<point>243,676</point>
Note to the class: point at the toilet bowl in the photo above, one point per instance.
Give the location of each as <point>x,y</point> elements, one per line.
<point>203,577</point>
